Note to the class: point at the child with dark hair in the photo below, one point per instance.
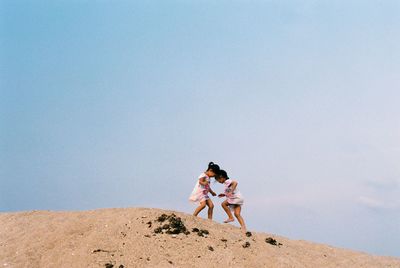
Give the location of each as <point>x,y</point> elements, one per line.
<point>234,199</point>
<point>202,188</point>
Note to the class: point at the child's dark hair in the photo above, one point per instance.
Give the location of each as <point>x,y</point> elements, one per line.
<point>213,167</point>
<point>222,174</point>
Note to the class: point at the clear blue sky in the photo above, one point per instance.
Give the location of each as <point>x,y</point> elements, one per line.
<point>123,103</point>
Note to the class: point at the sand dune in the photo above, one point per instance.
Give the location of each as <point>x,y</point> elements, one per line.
<point>134,237</point>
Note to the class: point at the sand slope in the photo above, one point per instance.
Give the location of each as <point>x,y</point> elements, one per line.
<point>124,238</point>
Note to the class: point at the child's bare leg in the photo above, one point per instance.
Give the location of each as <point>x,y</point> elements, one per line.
<point>199,208</point>
<point>210,208</point>
<point>225,206</point>
<point>237,211</point>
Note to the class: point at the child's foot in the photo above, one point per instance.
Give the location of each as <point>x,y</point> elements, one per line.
<point>229,220</point>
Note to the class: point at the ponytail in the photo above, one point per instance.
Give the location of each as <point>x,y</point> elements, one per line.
<point>213,167</point>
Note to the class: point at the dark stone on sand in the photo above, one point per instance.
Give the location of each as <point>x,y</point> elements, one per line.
<point>202,232</point>
<point>210,248</point>
<point>248,234</point>
<point>272,241</point>
<point>162,218</point>
<point>195,230</point>
<point>109,265</point>
<point>100,250</point>
<point>246,245</point>
<point>175,225</point>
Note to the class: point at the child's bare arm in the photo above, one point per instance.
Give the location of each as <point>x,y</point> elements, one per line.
<point>233,185</point>
<point>203,181</point>
<point>212,192</point>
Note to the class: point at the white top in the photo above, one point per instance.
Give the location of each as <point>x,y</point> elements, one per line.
<point>200,192</point>
<point>235,197</point>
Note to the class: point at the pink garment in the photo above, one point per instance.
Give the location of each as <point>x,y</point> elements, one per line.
<point>200,192</point>
<point>235,197</point>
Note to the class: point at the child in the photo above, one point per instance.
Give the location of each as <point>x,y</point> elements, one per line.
<point>233,199</point>
<point>202,188</point>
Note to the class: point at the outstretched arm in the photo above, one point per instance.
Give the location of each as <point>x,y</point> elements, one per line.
<point>233,185</point>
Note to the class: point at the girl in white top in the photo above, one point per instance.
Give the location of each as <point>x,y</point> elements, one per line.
<point>202,188</point>
<point>233,200</point>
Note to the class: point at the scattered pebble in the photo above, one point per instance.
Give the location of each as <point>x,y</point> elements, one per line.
<point>203,233</point>
<point>210,248</point>
<point>272,241</point>
<point>173,236</point>
<point>100,250</point>
<point>109,265</point>
<point>248,234</point>
<point>246,245</point>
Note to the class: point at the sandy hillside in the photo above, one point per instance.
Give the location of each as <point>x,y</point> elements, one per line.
<point>141,237</point>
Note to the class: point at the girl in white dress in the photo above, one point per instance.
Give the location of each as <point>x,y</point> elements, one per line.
<point>233,200</point>
<point>202,188</point>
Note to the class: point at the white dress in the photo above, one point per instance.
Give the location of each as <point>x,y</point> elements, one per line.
<point>200,192</point>
<point>235,197</point>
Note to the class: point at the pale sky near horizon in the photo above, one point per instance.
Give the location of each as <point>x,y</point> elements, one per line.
<point>124,103</point>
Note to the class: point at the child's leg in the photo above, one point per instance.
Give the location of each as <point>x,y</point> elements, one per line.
<point>210,208</point>
<point>199,208</point>
<point>225,206</point>
<point>237,211</point>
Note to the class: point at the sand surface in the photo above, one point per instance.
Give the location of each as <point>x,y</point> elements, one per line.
<point>126,238</point>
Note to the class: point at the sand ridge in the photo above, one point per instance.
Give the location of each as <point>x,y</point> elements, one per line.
<point>128,237</point>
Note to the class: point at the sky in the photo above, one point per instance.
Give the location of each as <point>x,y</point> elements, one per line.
<point>123,104</point>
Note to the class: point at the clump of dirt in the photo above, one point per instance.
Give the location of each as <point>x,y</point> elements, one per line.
<point>210,248</point>
<point>201,232</point>
<point>248,234</point>
<point>163,217</point>
<point>100,250</point>
<point>110,265</point>
<point>174,225</point>
<point>272,241</point>
<point>246,245</point>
